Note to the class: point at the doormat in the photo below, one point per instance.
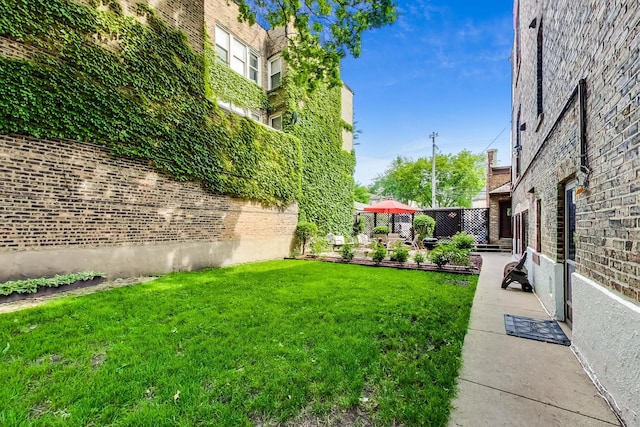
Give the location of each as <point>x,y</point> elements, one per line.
<point>533,329</point>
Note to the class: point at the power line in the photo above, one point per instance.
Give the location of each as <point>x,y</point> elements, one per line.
<point>494,140</point>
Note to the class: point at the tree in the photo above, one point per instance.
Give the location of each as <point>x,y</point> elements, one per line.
<point>319,32</point>
<point>361,193</point>
<point>459,177</point>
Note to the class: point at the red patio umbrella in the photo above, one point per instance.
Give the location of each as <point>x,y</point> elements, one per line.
<point>390,206</point>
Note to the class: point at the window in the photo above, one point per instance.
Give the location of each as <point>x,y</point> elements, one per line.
<point>254,67</point>
<point>518,147</point>
<point>241,111</point>
<point>538,225</point>
<point>255,115</point>
<point>222,45</point>
<point>276,122</point>
<point>275,72</point>
<point>237,55</point>
<point>539,70</point>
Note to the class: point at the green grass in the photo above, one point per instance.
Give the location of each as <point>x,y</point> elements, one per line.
<point>279,341</point>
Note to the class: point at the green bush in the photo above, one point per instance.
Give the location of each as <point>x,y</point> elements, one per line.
<point>305,231</point>
<point>399,253</point>
<point>379,253</point>
<point>347,252</point>
<point>30,286</point>
<point>318,245</point>
<point>419,258</point>
<point>424,226</point>
<point>359,225</point>
<point>449,253</point>
<point>381,229</point>
<point>463,240</point>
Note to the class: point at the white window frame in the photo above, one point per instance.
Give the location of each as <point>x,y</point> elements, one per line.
<point>271,73</point>
<point>238,54</point>
<point>256,68</point>
<point>274,117</point>
<point>222,42</point>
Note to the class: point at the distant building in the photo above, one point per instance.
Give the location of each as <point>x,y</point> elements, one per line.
<point>576,179</point>
<point>498,200</point>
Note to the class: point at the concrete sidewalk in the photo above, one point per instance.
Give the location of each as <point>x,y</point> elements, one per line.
<point>511,381</point>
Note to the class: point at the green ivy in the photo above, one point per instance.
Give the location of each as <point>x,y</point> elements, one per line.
<point>138,89</point>
<point>327,170</point>
<point>141,91</point>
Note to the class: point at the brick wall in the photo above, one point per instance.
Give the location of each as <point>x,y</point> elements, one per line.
<point>598,42</point>
<point>185,15</point>
<point>57,194</point>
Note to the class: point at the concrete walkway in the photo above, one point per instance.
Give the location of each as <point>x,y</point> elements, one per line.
<point>511,381</point>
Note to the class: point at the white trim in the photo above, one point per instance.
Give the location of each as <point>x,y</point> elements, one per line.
<point>271,73</point>
<point>275,116</point>
<point>238,54</point>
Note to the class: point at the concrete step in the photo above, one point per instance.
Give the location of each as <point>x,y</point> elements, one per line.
<point>483,247</point>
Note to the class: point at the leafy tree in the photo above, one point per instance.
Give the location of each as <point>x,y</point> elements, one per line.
<point>319,32</point>
<point>361,193</point>
<point>459,177</point>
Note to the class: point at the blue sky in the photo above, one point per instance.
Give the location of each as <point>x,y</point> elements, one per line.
<point>444,67</point>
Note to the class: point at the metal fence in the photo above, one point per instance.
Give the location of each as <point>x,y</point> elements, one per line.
<point>449,221</point>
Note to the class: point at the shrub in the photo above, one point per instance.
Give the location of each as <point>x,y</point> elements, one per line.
<point>463,240</point>
<point>399,253</point>
<point>419,258</point>
<point>359,225</point>
<point>379,253</point>
<point>381,229</point>
<point>424,225</point>
<point>449,253</point>
<point>347,252</point>
<point>304,231</point>
<point>318,245</point>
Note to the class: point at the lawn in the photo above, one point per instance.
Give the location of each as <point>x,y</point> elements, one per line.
<point>274,343</point>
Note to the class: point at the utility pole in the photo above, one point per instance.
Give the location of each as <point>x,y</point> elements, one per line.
<point>433,169</point>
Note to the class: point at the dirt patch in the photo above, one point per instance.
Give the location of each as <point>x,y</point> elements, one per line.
<point>352,417</point>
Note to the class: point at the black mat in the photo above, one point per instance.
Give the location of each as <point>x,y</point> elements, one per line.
<point>533,329</point>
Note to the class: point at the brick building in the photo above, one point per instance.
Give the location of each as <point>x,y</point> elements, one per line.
<point>576,179</point>
<point>69,206</point>
<point>498,200</point>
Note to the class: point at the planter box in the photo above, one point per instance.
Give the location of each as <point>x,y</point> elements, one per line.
<point>46,290</point>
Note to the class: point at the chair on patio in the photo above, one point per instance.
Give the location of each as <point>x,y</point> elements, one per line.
<point>415,243</point>
<point>516,272</point>
<point>393,238</point>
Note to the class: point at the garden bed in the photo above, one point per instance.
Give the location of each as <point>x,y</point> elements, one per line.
<point>474,268</point>
<point>35,288</point>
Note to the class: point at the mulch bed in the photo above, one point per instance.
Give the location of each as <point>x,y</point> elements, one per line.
<point>476,264</point>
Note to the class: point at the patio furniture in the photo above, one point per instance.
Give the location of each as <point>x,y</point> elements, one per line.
<point>516,272</point>
<point>392,238</point>
<point>336,242</point>
<point>363,241</point>
<point>415,243</point>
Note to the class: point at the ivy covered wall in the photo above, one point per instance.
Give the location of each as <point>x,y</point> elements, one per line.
<point>136,86</point>
<point>99,76</point>
<point>327,170</point>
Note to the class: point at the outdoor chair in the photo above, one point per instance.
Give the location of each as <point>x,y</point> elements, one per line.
<point>415,243</point>
<point>363,241</point>
<point>516,272</point>
<point>392,238</point>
